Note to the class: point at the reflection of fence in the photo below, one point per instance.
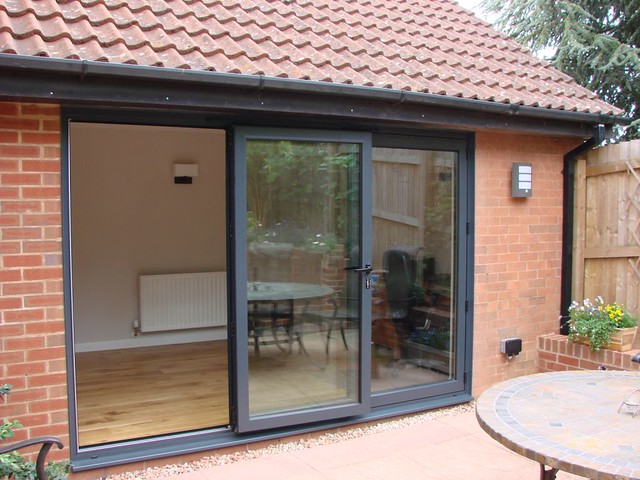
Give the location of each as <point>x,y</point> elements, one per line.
<point>412,203</point>
<point>607,225</point>
<point>398,195</point>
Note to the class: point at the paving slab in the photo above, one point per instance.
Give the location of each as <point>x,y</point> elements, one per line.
<point>446,448</point>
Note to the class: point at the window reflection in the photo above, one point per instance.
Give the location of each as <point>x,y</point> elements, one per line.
<point>302,220</point>
<point>413,334</point>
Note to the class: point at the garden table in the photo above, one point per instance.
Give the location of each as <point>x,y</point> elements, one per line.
<point>570,421</point>
<point>274,294</point>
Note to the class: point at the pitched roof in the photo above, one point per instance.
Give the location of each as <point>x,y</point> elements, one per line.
<point>428,46</point>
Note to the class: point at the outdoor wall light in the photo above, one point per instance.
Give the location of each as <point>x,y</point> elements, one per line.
<point>183,173</point>
<point>521,180</point>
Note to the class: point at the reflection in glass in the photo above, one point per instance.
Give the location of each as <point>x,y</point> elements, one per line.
<point>302,231</point>
<point>413,334</point>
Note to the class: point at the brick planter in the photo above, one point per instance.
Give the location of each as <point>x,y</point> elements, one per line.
<point>556,353</point>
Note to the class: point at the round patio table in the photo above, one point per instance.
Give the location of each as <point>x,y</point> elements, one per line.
<point>273,294</point>
<point>570,421</point>
<point>285,291</point>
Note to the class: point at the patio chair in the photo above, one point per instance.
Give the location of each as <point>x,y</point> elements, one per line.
<point>392,328</point>
<point>46,442</point>
<point>399,280</point>
<point>345,314</point>
<point>270,262</point>
<point>271,318</point>
<point>631,404</point>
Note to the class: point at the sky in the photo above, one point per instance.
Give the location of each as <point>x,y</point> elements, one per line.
<point>472,5</point>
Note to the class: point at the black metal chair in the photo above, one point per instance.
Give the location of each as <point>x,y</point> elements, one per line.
<point>269,318</point>
<point>399,281</point>
<point>46,442</point>
<point>344,316</point>
<point>631,404</point>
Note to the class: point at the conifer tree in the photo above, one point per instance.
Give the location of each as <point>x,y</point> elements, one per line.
<point>597,42</point>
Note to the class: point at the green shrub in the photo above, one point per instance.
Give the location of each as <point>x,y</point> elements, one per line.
<point>14,466</point>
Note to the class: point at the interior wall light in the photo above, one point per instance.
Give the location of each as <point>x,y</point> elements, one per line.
<point>183,173</point>
<point>521,179</point>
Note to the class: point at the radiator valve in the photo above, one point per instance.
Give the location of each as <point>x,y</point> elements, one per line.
<point>136,328</point>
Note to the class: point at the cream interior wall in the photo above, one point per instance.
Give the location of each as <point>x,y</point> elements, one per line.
<point>128,217</point>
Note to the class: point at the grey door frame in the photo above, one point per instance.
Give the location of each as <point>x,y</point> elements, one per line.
<point>244,422</point>
<point>463,253</point>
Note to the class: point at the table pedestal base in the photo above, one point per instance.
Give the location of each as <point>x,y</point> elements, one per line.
<point>547,474</point>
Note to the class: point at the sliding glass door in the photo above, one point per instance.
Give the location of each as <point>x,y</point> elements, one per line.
<point>418,303</point>
<point>349,288</point>
<point>301,267</point>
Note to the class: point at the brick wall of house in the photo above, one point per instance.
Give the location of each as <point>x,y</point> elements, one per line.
<point>517,272</point>
<point>32,351</point>
<point>518,247</point>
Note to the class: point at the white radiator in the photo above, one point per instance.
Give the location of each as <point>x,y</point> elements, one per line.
<point>183,300</point>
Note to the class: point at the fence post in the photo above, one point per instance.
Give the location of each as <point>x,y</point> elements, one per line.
<point>579,227</point>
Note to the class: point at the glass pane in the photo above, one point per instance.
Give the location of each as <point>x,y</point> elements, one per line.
<point>413,314</point>
<point>302,233</point>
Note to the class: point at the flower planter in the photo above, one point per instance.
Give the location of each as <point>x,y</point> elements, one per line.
<point>621,339</point>
<point>597,322</point>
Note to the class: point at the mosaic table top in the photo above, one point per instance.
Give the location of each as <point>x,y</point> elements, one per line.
<point>568,421</point>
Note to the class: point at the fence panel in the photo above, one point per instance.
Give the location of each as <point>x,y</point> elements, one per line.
<point>607,225</point>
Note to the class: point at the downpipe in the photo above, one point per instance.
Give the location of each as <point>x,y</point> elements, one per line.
<point>568,192</point>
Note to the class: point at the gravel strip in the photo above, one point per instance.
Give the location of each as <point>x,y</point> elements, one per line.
<point>215,460</point>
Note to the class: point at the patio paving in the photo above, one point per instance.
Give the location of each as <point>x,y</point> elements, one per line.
<point>445,448</point>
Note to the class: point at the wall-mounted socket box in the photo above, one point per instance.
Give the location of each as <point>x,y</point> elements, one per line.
<point>511,346</point>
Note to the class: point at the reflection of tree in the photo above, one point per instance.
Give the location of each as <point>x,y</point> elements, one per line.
<point>300,186</point>
<point>439,214</point>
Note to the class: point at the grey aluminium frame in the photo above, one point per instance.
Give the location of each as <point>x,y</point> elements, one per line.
<point>101,456</point>
<point>463,256</point>
<point>244,422</point>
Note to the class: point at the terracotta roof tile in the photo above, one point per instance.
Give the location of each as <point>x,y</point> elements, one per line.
<point>430,46</point>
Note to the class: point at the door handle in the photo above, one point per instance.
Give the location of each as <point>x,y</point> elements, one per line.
<point>366,269</point>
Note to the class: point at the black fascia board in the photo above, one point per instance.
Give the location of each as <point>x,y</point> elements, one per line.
<point>63,81</point>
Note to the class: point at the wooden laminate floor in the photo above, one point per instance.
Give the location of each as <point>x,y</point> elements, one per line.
<point>142,392</point>
<point>150,391</point>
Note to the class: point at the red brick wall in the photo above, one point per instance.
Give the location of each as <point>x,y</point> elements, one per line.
<point>517,271</point>
<point>518,249</point>
<point>557,353</point>
<point>32,352</point>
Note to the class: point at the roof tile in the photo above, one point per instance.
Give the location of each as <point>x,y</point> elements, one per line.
<point>430,46</point>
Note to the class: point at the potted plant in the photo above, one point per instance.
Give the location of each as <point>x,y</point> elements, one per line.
<point>601,325</point>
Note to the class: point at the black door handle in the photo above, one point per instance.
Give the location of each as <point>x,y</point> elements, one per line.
<point>366,269</point>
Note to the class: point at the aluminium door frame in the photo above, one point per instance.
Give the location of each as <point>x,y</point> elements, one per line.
<point>243,422</point>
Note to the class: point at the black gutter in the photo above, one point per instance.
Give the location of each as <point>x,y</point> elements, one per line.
<point>568,189</point>
<point>83,69</point>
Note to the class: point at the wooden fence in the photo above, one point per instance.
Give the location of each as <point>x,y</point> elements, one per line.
<point>413,203</point>
<point>607,225</point>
